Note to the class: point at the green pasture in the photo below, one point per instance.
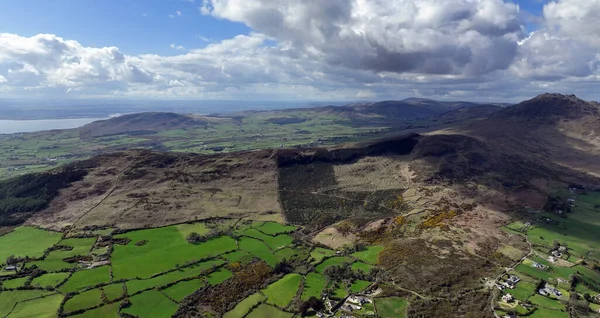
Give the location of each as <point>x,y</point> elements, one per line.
<point>578,230</point>
<point>86,277</point>
<point>165,248</point>
<point>54,260</point>
<point>264,311</point>
<point>15,283</point>
<point>313,286</point>
<point>319,253</point>
<point>182,289</point>
<point>150,304</point>
<point>113,291</point>
<point>547,313</point>
<point>258,249</point>
<point>45,307</point>
<point>241,309</point>
<point>8,299</point>
<point>27,241</point>
<point>218,276</point>
<point>370,254</point>
<point>523,290</point>
<point>49,279</point>
<point>81,246</point>
<point>359,285</point>
<point>136,285</point>
<point>238,256</point>
<point>366,268</point>
<point>87,299</point>
<point>106,311</point>
<point>333,261</point>
<point>546,302</point>
<point>274,242</point>
<point>533,272</point>
<point>287,253</point>
<point>52,263</point>
<point>281,292</point>
<point>340,291</point>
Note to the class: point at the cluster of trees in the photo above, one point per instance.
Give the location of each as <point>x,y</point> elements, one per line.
<point>196,238</point>
<point>31,193</point>
<point>313,303</point>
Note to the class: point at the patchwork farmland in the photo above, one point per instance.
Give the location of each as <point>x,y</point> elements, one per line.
<point>158,272</point>
<point>555,272</point>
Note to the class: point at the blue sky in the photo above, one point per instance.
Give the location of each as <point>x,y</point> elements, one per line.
<point>299,49</point>
<point>134,26</point>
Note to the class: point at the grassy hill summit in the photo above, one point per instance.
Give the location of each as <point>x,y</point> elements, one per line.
<point>471,211</point>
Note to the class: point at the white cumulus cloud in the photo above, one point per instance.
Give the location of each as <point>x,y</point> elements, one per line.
<point>335,49</point>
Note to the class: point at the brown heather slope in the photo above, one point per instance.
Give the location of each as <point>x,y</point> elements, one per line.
<point>551,128</point>
<point>314,186</point>
<point>137,189</point>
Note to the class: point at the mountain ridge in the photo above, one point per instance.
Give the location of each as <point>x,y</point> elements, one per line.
<point>139,123</point>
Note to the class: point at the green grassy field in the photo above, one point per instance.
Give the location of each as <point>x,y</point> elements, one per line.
<point>106,311</point>
<point>578,230</point>
<point>45,307</point>
<point>50,279</point>
<point>264,311</point>
<point>523,290</point>
<point>136,285</point>
<point>533,272</point>
<point>241,309</point>
<point>8,299</point>
<point>27,241</point>
<point>370,254</point>
<point>218,276</point>
<point>150,296</point>
<point>333,261</point>
<point>281,292</point>
<point>359,285</point>
<point>287,253</point>
<point>52,263</point>
<point>391,307</point>
<point>150,304</point>
<point>113,291</point>
<point>274,242</point>
<point>356,266</point>
<point>87,299</point>
<point>165,248</point>
<point>546,302</point>
<point>589,275</point>
<point>582,289</point>
<point>238,256</point>
<point>340,291</point>
<point>182,289</point>
<point>313,286</point>
<point>15,283</point>
<point>319,253</point>
<point>81,246</point>
<point>547,313</point>
<point>86,277</point>
<point>54,260</point>
<point>258,249</point>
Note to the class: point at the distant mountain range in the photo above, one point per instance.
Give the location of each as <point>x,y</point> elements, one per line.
<point>443,199</point>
